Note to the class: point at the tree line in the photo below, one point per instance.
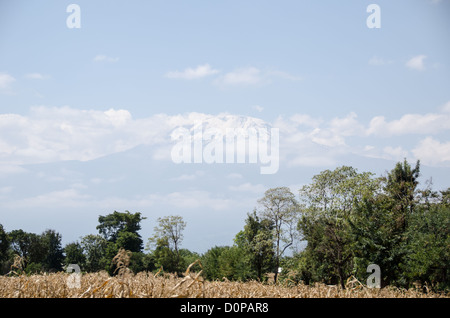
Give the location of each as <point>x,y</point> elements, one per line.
<point>346,220</point>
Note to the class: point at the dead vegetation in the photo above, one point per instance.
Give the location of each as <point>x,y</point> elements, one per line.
<point>163,285</point>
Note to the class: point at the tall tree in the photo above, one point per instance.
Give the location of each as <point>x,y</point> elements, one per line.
<point>380,225</point>
<point>165,257</point>
<point>74,255</point>
<point>4,244</point>
<point>376,239</point>
<point>29,246</point>
<point>281,209</point>
<point>232,264</point>
<point>400,184</point>
<point>94,248</point>
<point>256,240</point>
<point>327,205</point>
<point>427,252</point>
<point>113,225</point>
<point>54,251</point>
<point>211,262</point>
<point>171,228</point>
<point>333,193</point>
<point>169,235</point>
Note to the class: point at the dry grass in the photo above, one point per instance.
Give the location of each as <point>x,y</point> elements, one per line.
<point>162,285</point>
<point>192,285</point>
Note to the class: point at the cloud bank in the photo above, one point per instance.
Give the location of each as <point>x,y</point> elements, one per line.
<point>50,134</point>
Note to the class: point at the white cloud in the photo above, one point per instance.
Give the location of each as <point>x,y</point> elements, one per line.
<point>75,197</point>
<point>62,198</point>
<point>301,128</point>
<point>306,120</point>
<point>417,63</point>
<point>36,76</point>
<point>118,118</point>
<point>242,76</point>
<point>9,169</point>
<point>326,137</point>
<point>397,153</point>
<point>53,134</point>
<point>104,58</point>
<point>49,134</point>
<point>245,76</point>
<point>5,81</point>
<point>193,73</point>
<point>314,142</point>
<point>433,152</point>
<point>431,123</point>
<point>446,107</point>
<point>252,76</point>
<point>347,126</point>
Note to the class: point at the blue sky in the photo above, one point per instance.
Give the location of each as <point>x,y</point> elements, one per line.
<point>136,69</point>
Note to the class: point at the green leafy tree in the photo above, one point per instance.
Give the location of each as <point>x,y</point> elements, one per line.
<point>148,262</point>
<point>167,238</point>
<point>381,228</point>
<point>445,197</point>
<point>166,257</point>
<point>376,239</point>
<point>94,248</point>
<point>232,264</point>
<point>120,230</point>
<point>111,251</point>
<point>29,246</point>
<point>428,255</point>
<point>54,252</point>
<point>256,240</point>
<point>188,257</point>
<point>401,185</point>
<point>4,244</point>
<point>129,241</point>
<point>210,262</point>
<point>113,226</point>
<point>400,199</point>
<point>137,263</point>
<point>74,255</point>
<point>40,252</point>
<point>327,206</point>
<point>229,262</point>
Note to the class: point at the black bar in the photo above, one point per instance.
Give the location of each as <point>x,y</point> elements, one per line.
<point>227,306</point>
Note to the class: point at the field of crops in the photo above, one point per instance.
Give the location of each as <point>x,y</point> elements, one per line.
<point>101,285</point>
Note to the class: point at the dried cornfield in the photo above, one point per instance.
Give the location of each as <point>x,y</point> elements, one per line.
<point>192,285</point>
